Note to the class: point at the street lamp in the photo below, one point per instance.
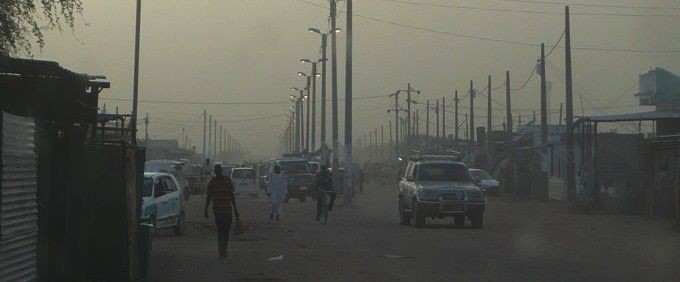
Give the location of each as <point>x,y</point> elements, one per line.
<point>300,143</point>
<point>314,75</point>
<point>306,134</point>
<point>323,61</point>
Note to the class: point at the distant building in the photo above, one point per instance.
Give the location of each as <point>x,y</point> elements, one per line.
<point>165,149</point>
<point>660,88</point>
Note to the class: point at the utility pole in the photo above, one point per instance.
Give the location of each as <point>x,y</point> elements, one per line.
<point>416,121</point>
<point>334,86</point>
<point>390,124</point>
<point>408,116</point>
<point>375,147</point>
<point>544,103</point>
<point>471,138</point>
<point>559,122</point>
<point>146,130</point>
<point>508,110</point>
<point>313,98</point>
<point>427,118</point>
<point>221,152</point>
<point>467,131</point>
<point>349,191</point>
<point>436,111</point>
<point>396,110</point>
<point>210,138</point>
<point>489,122</point>
<point>307,137</point>
<point>571,166</point>
<point>408,110</point>
<point>455,130</point>
<point>519,120</point>
<point>382,142</point>
<point>444,118</point>
<point>323,87</point>
<point>135,82</point>
<point>204,125</point>
<point>297,124</point>
<point>215,140</point>
<point>302,120</point>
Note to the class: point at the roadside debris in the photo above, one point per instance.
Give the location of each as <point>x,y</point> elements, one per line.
<point>279,258</point>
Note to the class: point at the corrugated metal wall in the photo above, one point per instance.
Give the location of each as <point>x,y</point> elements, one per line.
<point>18,208</point>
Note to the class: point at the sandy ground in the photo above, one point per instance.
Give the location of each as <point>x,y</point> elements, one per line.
<point>520,241</point>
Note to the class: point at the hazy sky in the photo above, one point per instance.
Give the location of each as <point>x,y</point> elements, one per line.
<point>248,51</point>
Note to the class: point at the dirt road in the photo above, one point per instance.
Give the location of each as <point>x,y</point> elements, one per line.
<point>364,242</point>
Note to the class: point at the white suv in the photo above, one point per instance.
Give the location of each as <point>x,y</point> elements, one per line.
<point>162,203</point>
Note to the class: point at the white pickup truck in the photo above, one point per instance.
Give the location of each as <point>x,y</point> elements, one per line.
<point>438,186</point>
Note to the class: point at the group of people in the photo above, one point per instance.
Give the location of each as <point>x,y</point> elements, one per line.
<point>277,188</point>
<point>220,193</point>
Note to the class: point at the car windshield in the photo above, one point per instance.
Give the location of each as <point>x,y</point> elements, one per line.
<point>243,174</point>
<point>294,166</point>
<point>443,172</point>
<point>480,175</point>
<point>148,185</point>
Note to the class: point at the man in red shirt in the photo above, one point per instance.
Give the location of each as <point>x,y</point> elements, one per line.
<point>221,193</point>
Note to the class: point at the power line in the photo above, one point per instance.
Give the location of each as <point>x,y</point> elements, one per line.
<point>556,43</point>
<point>525,82</point>
<point>450,6</point>
<point>497,40</point>
<point>594,5</point>
<point>225,103</point>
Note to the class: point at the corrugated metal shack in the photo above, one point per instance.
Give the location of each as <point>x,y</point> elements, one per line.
<point>69,209</point>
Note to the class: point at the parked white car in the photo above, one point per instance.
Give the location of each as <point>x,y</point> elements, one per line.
<point>162,203</point>
<point>175,168</point>
<point>244,181</point>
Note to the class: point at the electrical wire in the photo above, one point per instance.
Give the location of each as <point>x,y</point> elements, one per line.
<point>226,103</point>
<point>593,5</point>
<point>497,40</point>
<point>525,82</point>
<point>450,6</point>
<point>556,43</point>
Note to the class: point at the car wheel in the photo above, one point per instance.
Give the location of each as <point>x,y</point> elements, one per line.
<point>419,218</point>
<point>181,224</point>
<point>405,218</point>
<point>459,220</point>
<point>477,220</point>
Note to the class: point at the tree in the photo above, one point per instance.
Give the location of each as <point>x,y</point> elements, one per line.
<point>23,22</point>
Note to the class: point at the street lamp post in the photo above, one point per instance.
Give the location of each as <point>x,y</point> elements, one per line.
<point>324,59</point>
<point>299,114</point>
<point>307,88</point>
<point>314,74</point>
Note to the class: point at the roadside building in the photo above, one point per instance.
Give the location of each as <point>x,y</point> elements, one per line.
<point>82,172</point>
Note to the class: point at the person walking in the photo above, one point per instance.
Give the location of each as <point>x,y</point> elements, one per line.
<point>221,193</point>
<point>277,187</point>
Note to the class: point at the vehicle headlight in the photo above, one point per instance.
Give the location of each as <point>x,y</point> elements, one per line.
<point>475,196</point>
<point>428,195</point>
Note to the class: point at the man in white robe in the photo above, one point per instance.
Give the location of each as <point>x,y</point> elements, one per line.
<point>278,190</point>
